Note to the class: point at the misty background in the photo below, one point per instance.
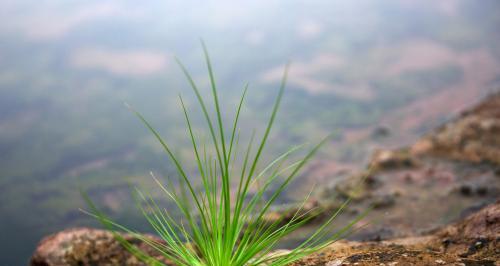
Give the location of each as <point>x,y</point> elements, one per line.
<point>359,68</point>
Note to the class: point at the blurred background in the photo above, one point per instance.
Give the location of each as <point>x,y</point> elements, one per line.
<point>378,73</point>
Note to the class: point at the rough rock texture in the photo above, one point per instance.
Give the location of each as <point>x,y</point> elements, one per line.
<point>476,237</point>
<point>445,176</point>
<point>473,241</point>
<point>85,246</point>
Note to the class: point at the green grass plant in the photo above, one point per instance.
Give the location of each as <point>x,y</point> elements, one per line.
<point>223,210</point>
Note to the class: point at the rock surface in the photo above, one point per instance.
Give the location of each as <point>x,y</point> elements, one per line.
<point>473,241</point>
<point>474,136</point>
<point>85,246</point>
<point>456,165</point>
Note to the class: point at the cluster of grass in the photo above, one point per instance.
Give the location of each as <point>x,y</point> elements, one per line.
<point>223,210</point>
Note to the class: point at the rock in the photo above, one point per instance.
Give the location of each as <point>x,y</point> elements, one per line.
<point>85,246</point>
<point>482,224</point>
<point>472,241</point>
<point>389,159</point>
<point>440,261</point>
<point>447,171</point>
<point>474,136</point>
<point>352,187</point>
<point>334,263</point>
<point>422,146</point>
<point>383,201</point>
<point>476,237</point>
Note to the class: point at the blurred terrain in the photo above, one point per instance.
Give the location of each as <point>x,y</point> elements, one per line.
<point>470,241</point>
<point>379,74</point>
<point>447,174</point>
<point>433,203</point>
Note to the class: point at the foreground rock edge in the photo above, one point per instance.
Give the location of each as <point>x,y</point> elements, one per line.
<point>472,241</point>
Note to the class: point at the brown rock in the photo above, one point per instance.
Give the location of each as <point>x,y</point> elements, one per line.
<point>85,246</point>
<point>477,236</point>
<point>474,136</point>
<point>472,241</point>
<point>422,146</point>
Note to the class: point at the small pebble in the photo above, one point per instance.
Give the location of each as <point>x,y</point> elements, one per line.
<point>334,263</point>
<point>440,261</point>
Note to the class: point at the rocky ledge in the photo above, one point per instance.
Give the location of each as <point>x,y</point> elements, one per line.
<point>472,241</point>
